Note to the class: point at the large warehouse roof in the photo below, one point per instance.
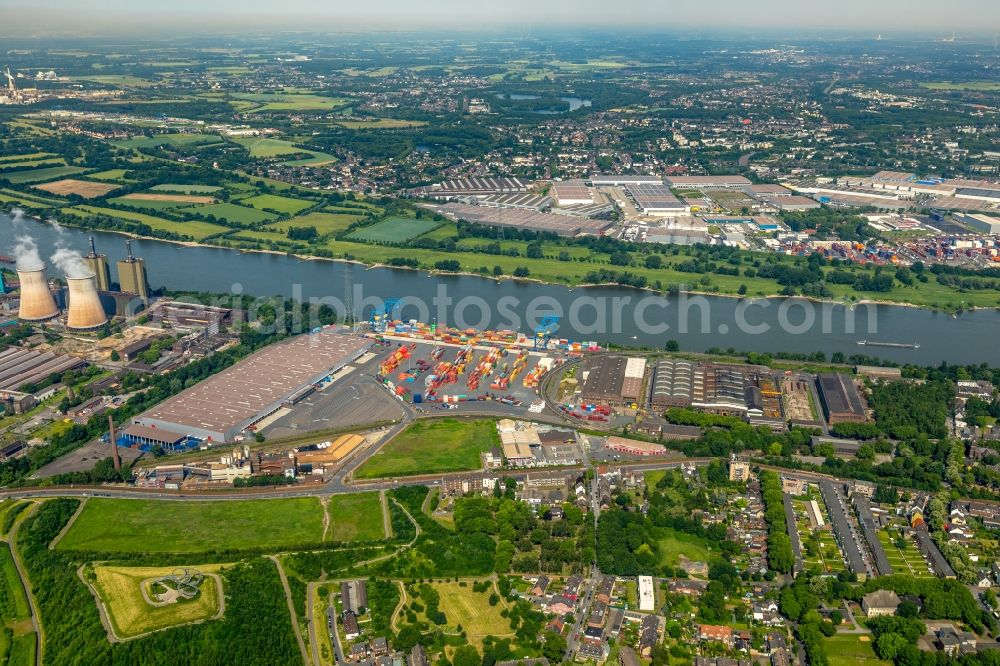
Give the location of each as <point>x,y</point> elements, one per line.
<point>563,225</point>
<point>239,396</point>
<point>654,196</point>
<point>23,366</point>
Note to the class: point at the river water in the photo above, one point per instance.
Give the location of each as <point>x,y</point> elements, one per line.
<point>602,314</point>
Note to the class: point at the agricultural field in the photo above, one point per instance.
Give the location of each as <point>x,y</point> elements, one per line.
<point>160,200</point>
<point>133,526</point>
<point>471,610</point>
<point>7,160</point>
<point>126,594</point>
<point>325,223</point>
<point>356,517</point>
<point>110,174</point>
<point>278,203</point>
<point>851,649</point>
<point>907,560</point>
<point>83,188</point>
<point>194,229</point>
<point>433,447</point>
<point>36,163</point>
<point>394,230</point>
<point>185,189</point>
<point>39,175</point>
<point>232,213</point>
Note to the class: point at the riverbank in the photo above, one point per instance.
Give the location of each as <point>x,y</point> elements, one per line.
<point>938,298</point>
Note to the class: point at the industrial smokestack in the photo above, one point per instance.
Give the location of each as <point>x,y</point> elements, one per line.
<point>85,310</point>
<point>37,303</point>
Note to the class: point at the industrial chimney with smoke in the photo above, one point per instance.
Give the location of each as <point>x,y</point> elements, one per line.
<point>85,311</point>
<point>37,303</point>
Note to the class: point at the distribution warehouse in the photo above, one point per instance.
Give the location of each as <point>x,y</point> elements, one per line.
<point>224,405</point>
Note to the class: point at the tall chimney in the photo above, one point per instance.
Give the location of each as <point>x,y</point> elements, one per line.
<point>114,444</point>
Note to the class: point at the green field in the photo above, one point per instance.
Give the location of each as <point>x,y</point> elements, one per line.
<point>121,591</point>
<point>153,204</point>
<point>673,544</point>
<point>848,649</point>
<point>194,229</point>
<point>173,188</point>
<point>264,148</point>
<point>6,159</point>
<point>278,203</point>
<point>907,561</point>
<point>180,140</point>
<point>35,163</point>
<point>134,526</point>
<point>394,230</point>
<point>22,650</point>
<point>231,212</point>
<point>325,223</point>
<point>38,175</point>
<point>290,102</point>
<point>13,601</point>
<point>356,517</point>
<point>988,86</point>
<point>380,123</point>
<point>433,447</point>
<point>110,174</point>
<point>472,612</point>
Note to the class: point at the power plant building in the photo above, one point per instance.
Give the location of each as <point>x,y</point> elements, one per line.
<point>223,406</point>
<point>132,275</point>
<point>98,264</point>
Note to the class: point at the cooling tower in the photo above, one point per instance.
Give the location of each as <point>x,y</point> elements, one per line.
<point>85,310</point>
<point>37,303</point>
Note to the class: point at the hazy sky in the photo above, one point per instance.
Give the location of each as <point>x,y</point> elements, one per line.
<point>887,16</point>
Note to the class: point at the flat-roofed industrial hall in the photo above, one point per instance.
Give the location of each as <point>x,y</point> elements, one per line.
<point>224,405</point>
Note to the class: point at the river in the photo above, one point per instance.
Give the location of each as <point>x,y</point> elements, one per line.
<point>603,314</point>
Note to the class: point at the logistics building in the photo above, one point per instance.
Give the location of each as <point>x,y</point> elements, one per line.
<point>614,180</point>
<point>614,380</point>
<point>707,182</point>
<point>224,405</point>
<point>571,193</point>
<point>656,199</point>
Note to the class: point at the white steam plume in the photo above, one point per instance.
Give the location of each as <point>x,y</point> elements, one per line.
<point>71,263</point>
<point>26,254</point>
<point>68,260</point>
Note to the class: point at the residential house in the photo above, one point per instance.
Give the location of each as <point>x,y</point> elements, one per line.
<point>954,642</point>
<point>880,602</point>
<point>351,629</point>
<point>606,589</point>
<point>358,651</point>
<point>716,633</point>
<point>380,646</point>
<point>571,589</point>
<point>649,635</point>
<point>560,606</point>
<point>596,651</point>
<point>541,584</point>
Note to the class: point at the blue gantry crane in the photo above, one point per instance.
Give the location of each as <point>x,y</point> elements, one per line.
<point>381,319</point>
<point>545,330</point>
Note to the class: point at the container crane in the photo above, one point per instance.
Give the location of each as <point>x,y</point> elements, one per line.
<point>545,330</point>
